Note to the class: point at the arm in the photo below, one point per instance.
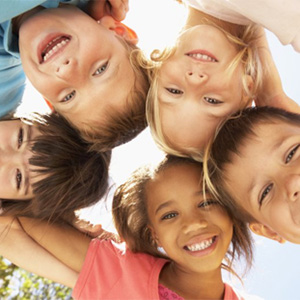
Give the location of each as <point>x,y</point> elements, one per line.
<point>115,8</point>
<point>272,93</point>
<point>64,242</point>
<point>20,249</point>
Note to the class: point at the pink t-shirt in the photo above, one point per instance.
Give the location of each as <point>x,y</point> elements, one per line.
<point>111,272</point>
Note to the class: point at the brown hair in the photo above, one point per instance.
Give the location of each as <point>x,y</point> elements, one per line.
<point>233,134</point>
<point>72,175</point>
<point>121,127</point>
<point>131,218</point>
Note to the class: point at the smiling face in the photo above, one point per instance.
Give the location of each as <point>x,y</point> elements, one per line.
<point>196,88</point>
<point>194,233</point>
<point>15,152</point>
<point>270,188</point>
<point>76,64</point>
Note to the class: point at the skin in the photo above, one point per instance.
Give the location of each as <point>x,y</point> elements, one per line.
<point>179,217</point>
<point>15,153</point>
<point>198,88</point>
<point>269,193</point>
<point>80,78</point>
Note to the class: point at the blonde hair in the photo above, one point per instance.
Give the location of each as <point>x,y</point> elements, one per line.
<point>121,127</point>
<point>244,40</point>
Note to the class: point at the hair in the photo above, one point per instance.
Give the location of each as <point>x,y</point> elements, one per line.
<point>233,134</point>
<point>122,127</point>
<point>131,217</point>
<point>72,175</point>
<point>244,38</point>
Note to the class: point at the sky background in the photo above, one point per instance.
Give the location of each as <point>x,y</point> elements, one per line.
<point>276,269</point>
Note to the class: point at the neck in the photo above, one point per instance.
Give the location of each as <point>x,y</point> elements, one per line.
<point>192,285</point>
<point>196,17</point>
<point>19,20</point>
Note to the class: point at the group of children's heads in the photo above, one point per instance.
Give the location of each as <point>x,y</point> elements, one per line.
<point>94,75</point>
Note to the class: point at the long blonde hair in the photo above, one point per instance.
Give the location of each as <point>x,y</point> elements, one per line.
<point>244,38</point>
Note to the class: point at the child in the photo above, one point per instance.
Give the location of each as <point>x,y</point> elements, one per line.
<point>255,171</point>
<point>49,165</point>
<point>163,208</point>
<point>215,69</point>
<point>78,80</point>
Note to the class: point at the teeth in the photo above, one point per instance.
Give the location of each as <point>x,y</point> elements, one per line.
<point>55,48</point>
<point>202,56</point>
<point>200,246</point>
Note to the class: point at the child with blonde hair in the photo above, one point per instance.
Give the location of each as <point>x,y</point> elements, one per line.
<point>217,66</point>
<point>177,241</point>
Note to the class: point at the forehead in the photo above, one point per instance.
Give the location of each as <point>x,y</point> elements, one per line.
<point>174,180</point>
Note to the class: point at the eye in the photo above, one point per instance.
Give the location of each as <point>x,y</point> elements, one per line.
<point>101,69</point>
<point>174,91</point>
<point>169,216</point>
<point>291,154</point>
<point>264,194</point>
<point>207,203</point>
<point>69,97</point>
<point>212,100</point>
<point>20,137</point>
<point>18,179</point>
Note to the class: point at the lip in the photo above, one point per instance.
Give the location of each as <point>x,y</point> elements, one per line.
<point>192,55</point>
<point>199,239</point>
<point>43,44</point>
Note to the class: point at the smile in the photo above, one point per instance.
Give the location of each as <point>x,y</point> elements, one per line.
<point>58,43</point>
<point>201,246</point>
<point>202,55</point>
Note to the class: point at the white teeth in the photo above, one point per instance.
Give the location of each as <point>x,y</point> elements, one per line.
<point>200,246</point>
<point>202,56</point>
<point>55,48</point>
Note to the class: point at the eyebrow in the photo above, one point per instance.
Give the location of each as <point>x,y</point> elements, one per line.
<point>26,184</point>
<point>163,205</point>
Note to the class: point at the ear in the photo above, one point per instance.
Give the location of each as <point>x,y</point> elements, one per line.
<point>119,28</point>
<point>154,236</point>
<point>263,230</point>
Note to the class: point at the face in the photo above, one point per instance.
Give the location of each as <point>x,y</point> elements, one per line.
<point>76,65</point>
<point>194,233</point>
<point>196,88</point>
<point>15,176</point>
<point>270,188</point>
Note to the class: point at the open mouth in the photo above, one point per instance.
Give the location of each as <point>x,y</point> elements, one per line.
<point>202,55</point>
<point>52,47</point>
<point>201,245</point>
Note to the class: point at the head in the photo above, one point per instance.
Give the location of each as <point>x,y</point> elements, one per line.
<point>77,66</point>
<point>165,207</point>
<point>209,74</point>
<point>66,174</point>
<point>254,167</point>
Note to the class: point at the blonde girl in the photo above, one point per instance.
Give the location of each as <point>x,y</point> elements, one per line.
<point>214,69</point>
<point>177,242</point>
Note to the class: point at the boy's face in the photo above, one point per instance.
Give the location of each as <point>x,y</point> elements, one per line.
<point>15,174</point>
<point>77,64</point>
<point>194,234</point>
<point>195,87</point>
<point>265,177</point>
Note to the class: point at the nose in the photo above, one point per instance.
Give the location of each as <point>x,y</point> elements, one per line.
<point>194,223</point>
<point>66,70</point>
<point>292,184</point>
<point>196,77</point>
<point>18,158</point>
